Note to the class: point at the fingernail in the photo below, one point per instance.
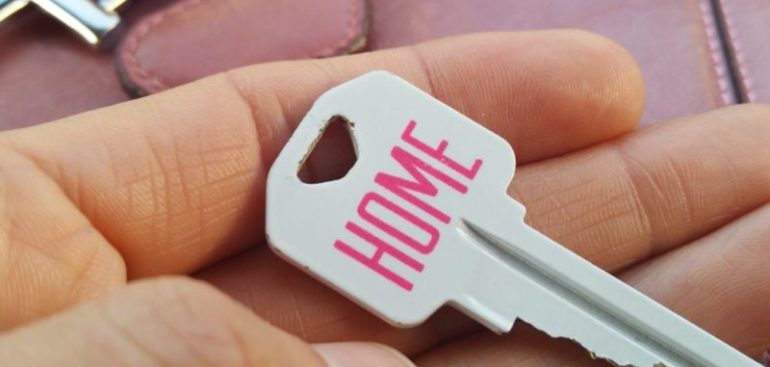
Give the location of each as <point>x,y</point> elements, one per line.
<point>765,359</point>
<point>361,354</point>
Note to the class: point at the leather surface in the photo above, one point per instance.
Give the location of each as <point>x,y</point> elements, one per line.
<point>47,73</point>
<point>223,34</point>
<point>675,42</point>
<point>747,25</point>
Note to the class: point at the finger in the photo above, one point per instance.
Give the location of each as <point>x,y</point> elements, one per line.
<point>592,201</point>
<point>174,323</point>
<point>643,194</point>
<point>718,282</point>
<point>288,298</point>
<point>50,255</point>
<point>176,181</point>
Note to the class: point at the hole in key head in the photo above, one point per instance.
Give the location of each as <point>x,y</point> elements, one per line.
<point>332,155</point>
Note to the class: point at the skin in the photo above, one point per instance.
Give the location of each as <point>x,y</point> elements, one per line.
<point>107,216</point>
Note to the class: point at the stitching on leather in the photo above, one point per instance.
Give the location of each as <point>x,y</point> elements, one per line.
<point>141,75</point>
<point>146,79</point>
<point>714,44</point>
<point>353,25</point>
<point>739,55</point>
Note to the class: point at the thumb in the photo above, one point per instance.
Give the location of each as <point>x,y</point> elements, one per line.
<point>174,322</point>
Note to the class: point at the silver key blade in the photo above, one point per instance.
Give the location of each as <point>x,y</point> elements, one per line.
<point>565,296</point>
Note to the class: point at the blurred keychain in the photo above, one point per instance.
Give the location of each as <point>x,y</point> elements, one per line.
<point>95,22</point>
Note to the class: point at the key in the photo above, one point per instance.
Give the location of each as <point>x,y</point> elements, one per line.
<point>95,23</point>
<point>422,220</point>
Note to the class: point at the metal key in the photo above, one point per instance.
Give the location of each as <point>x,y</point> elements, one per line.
<point>94,21</point>
<point>423,220</point>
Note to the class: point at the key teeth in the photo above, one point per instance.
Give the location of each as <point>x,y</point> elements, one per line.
<point>596,355</point>
<point>613,363</point>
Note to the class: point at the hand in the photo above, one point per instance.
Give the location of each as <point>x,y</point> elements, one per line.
<point>174,184</point>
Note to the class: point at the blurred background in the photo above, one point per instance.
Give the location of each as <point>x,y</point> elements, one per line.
<point>696,55</point>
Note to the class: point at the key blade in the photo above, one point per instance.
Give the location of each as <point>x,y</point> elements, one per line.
<point>565,296</point>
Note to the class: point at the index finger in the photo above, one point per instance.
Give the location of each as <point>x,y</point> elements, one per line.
<point>176,181</point>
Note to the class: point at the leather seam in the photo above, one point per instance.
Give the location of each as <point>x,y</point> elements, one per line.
<point>142,75</point>
<point>715,49</point>
<point>738,52</point>
<point>150,82</point>
<point>353,24</point>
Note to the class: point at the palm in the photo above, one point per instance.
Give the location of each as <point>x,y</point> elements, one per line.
<point>174,184</point>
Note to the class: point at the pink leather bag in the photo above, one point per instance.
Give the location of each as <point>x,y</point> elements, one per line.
<point>696,55</point>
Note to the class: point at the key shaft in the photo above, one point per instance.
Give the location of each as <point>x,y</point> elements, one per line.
<point>421,220</point>
<point>566,296</point>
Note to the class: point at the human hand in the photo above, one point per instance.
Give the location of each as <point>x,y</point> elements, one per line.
<point>174,183</point>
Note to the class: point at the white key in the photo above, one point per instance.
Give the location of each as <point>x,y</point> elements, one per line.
<point>422,220</point>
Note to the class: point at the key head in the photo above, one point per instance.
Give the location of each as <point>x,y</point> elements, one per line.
<point>387,233</point>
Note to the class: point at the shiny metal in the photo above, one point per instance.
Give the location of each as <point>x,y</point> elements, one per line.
<point>92,21</point>
<point>10,7</point>
<point>111,5</point>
